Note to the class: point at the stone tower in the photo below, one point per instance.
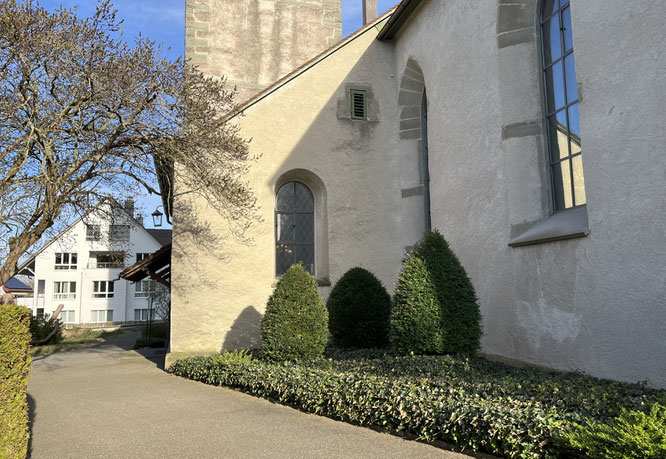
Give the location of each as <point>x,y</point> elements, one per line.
<point>256,42</point>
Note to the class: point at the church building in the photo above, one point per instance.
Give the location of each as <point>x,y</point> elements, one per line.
<point>530,133</point>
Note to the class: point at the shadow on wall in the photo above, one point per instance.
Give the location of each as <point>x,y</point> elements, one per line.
<point>193,228</point>
<point>245,333</point>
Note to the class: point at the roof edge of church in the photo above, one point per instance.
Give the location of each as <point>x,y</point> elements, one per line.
<point>402,12</point>
<point>298,71</point>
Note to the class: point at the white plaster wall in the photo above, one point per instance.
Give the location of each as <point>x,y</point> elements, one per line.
<point>123,302</point>
<point>221,288</point>
<point>597,303</point>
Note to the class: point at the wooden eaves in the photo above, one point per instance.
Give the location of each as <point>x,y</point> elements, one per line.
<point>157,266</point>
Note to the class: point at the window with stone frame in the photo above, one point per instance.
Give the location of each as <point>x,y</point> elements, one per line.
<point>294,227</point>
<point>561,106</point>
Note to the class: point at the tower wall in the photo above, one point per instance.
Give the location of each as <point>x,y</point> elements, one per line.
<point>256,42</point>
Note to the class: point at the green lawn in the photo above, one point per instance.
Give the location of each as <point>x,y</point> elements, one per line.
<point>80,339</point>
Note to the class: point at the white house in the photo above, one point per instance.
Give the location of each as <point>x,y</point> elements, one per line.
<point>80,268</point>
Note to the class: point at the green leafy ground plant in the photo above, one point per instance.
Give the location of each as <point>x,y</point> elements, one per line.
<point>634,434</point>
<point>471,403</point>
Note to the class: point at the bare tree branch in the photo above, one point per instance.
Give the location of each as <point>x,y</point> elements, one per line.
<point>84,115</point>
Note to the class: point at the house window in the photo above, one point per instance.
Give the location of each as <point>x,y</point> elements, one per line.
<point>294,227</point>
<point>93,233</point>
<point>562,115</point>
<point>142,256</point>
<point>109,259</point>
<point>119,233</point>
<point>65,261</point>
<point>40,312</point>
<point>143,288</point>
<point>359,104</point>
<point>67,317</point>
<point>102,289</point>
<point>142,314</point>
<point>101,315</point>
<point>64,290</point>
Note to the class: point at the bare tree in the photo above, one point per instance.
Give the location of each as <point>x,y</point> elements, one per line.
<point>84,114</point>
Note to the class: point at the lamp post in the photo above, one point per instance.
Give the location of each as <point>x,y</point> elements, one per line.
<point>157,216</point>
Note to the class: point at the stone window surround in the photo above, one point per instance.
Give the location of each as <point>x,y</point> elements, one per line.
<point>518,22</point>
<point>316,186</point>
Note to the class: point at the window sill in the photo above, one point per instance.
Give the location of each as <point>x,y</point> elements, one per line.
<point>320,282</point>
<point>567,224</point>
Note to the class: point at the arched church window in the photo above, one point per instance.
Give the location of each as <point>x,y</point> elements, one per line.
<point>426,167</point>
<point>294,227</point>
<point>561,105</point>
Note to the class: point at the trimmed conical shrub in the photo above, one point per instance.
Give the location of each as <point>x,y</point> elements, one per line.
<point>359,309</point>
<point>416,322</point>
<point>295,325</point>
<point>461,319</point>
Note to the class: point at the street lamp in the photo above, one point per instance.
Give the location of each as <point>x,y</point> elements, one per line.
<point>157,216</point>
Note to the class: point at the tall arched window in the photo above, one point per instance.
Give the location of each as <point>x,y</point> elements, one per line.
<point>561,93</point>
<point>294,227</point>
<point>426,171</point>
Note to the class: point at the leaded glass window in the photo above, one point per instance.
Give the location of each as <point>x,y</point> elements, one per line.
<point>562,117</point>
<point>294,227</point>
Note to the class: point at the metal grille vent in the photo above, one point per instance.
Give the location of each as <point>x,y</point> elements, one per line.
<point>359,105</point>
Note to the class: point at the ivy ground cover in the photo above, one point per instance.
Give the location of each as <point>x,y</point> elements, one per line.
<point>472,404</point>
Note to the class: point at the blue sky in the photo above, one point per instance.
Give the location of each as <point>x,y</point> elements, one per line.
<point>164,22</point>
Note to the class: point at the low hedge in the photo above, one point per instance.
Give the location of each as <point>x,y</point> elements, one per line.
<point>469,403</point>
<point>14,372</point>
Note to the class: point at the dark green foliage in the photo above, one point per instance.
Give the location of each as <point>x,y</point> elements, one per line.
<point>416,316</point>
<point>470,403</point>
<point>632,434</point>
<point>14,372</point>
<point>359,309</point>
<point>295,325</point>
<point>149,342</point>
<point>41,327</point>
<point>156,330</point>
<point>154,336</point>
<point>461,319</point>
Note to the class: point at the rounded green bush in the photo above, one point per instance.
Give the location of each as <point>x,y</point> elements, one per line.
<point>461,318</point>
<point>359,309</point>
<point>295,325</point>
<point>416,322</point>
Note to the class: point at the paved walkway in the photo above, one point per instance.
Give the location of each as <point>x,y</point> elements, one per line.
<point>106,402</point>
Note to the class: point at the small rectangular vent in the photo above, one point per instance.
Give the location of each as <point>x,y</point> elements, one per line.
<point>358,105</point>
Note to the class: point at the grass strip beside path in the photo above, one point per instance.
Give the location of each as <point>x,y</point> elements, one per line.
<point>80,339</point>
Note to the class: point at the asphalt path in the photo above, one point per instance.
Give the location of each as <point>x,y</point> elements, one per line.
<point>110,402</point>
